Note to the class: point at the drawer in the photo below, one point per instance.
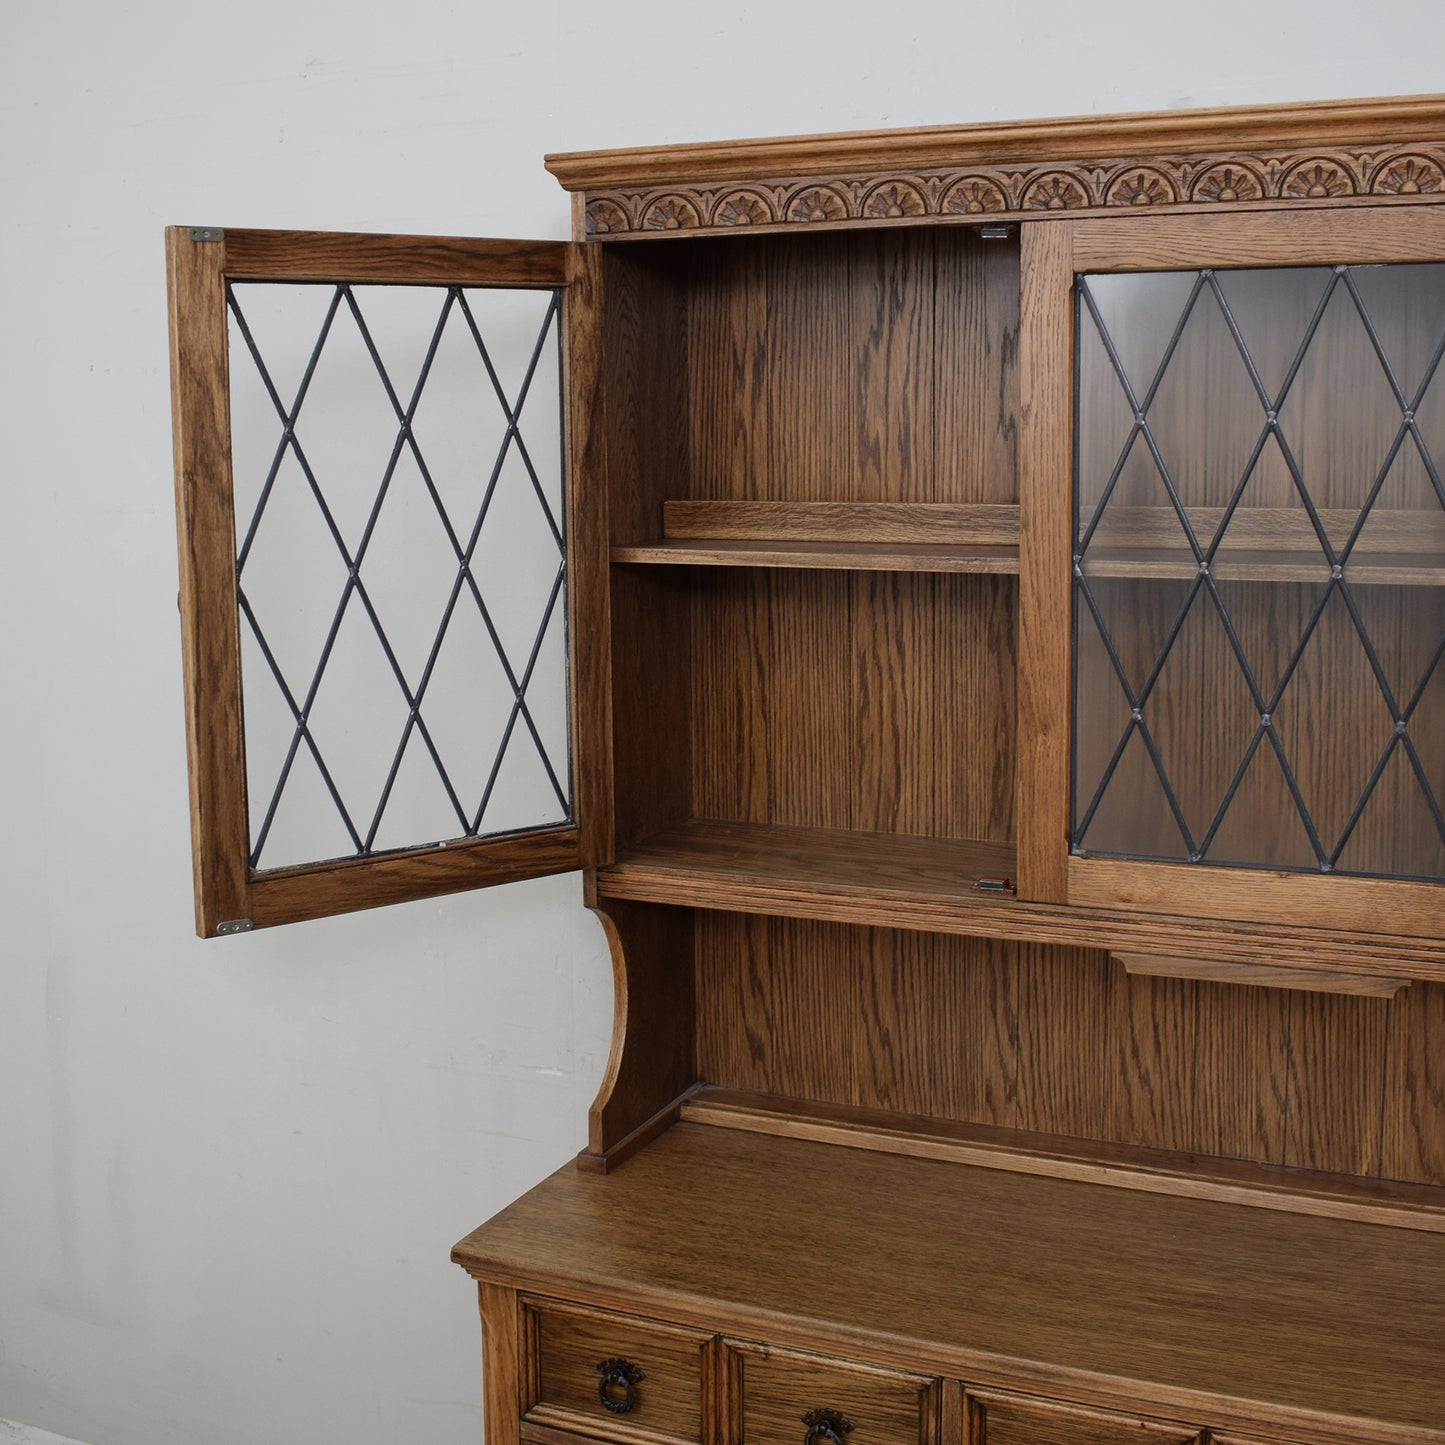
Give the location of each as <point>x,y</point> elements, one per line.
<point>1004,1420</point>
<point>782,1397</point>
<point>610,1375</point>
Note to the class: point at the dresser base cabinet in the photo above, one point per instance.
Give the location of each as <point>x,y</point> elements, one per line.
<point>775,1278</point>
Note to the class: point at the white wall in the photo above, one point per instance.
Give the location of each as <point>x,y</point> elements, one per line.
<point>230,1172</point>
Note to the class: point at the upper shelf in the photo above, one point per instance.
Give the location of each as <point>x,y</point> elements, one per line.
<point>855,536</point>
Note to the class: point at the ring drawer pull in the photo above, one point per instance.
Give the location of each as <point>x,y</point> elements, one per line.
<point>826,1427</point>
<point>615,1388</point>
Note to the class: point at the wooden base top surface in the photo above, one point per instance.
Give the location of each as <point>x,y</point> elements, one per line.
<point>1234,1312</point>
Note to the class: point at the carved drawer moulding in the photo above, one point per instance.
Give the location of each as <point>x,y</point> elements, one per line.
<point>1104,166</point>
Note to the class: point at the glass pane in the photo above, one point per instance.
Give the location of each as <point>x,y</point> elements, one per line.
<point>397,453</point>
<point>1260,568</point>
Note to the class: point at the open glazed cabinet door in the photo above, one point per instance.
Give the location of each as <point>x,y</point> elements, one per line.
<point>1255,417</point>
<point>393,591</point>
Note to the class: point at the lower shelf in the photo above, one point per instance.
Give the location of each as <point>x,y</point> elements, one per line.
<point>1245,1320</point>
<point>892,880</point>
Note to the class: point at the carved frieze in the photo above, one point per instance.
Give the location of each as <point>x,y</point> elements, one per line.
<point>1414,172</point>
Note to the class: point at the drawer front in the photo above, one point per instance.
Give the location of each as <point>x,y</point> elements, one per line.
<point>1004,1420</point>
<point>611,1375</point>
<point>786,1398</point>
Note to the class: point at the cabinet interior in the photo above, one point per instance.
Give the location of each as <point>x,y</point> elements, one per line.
<point>852,720</point>
<point>873,697</point>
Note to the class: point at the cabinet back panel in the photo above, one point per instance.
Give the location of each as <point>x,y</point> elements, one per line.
<point>644,322</point>
<point>870,367</point>
<point>876,701</point>
<point>1063,1041</point>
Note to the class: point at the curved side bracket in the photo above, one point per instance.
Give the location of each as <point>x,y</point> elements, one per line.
<point>653,1058</point>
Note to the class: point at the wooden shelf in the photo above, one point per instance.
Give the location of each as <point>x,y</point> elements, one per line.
<point>705,861</point>
<point>1119,1166</point>
<point>1373,569</point>
<point>1193,1309</point>
<point>852,556</point>
<point>890,880</point>
<point>858,536</point>
<point>1270,544</point>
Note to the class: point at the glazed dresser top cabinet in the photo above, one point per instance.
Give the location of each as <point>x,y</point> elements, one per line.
<point>972,603</point>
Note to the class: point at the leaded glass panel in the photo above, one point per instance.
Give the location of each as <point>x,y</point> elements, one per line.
<point>401,567</point>
<point>1260,568</point>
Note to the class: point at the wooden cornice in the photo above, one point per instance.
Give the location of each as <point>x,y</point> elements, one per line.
<point>1314,153</point>
<point>1072,138</point>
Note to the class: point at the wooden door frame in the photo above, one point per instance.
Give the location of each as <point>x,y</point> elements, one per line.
<point>1053,252</point>
<point>230,897</point>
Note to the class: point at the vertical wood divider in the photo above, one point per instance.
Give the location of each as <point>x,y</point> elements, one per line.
<point>589,595</point>
<point>502,1373</point>
<point>210,625</point>
<point>951,1421</point>
<point>1046,369</point>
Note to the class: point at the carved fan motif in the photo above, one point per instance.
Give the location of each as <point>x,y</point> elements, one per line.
<point>1228,183</point>
<point>895,199</point>
<point>743,208</point>
<point>974,196</point>
<point>1409,176</point>
<point>1315,180</point>
<point>817,203</point>
<point>672,213</point>
<point>1055,191</point>
<point>1140,188</point>
<point>1279,177</point>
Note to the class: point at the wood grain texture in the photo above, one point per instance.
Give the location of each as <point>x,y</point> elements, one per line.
<point>780,1387</point>
<point>976,339</point>
<point>1375,569</point>
<point>643,376</point>
<point>908,677</point>
<point>1289,1190</point>
<point>893,288</point>
<point>927,883</point>
<point>399,260</point>
<point>1414,1121</point>
<point>1387,908</point>
<point>1071,138</point>
<point>1065,1043</point>
<point>288,895</point>
<point>935,523</point>
<point>588,528</point>
<point>1046,381</point>
<point>502,1363</point>
<point>1006,1420</point>
<point>1325,1330</point>
<point>836,556</point>
<point>205,527</point>
<point>652,1057</point>
<point>1359,235</point>
<point>1261,975</point>
<point>846,370</point>
<point>568,1346</point>
<point>1274,530</point>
